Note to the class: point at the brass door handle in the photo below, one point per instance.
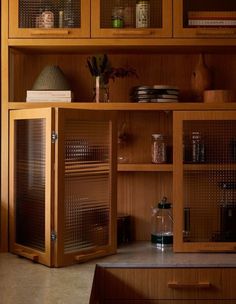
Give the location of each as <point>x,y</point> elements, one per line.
<point>185,285</point>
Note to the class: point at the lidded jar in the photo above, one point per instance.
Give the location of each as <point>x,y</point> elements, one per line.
<point>162,224</point>
<point>158,149</point>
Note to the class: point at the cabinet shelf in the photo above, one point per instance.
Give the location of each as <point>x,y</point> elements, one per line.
<point>126,106</point>
<point>209,167</point>
<point>145,167</point>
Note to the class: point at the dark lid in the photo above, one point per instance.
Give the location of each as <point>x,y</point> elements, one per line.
<point>164,204</point>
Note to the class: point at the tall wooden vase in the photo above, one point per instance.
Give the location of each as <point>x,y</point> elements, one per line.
<point>201,78</point>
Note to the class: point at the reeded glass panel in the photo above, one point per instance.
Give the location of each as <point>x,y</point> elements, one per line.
<point>210,181</point>
<point>49,14</point>
<point>87,185</point>
<point>30,183</point>
<point>209,13</point>
<point>112,11</point>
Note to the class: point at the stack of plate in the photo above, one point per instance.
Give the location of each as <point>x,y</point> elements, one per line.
<point>156,93</point>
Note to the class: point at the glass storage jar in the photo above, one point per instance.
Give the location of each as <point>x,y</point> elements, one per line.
<point>158,149</point>
<point>162,224</point>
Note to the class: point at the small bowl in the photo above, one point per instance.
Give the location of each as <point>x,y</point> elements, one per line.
<point>219,96</point>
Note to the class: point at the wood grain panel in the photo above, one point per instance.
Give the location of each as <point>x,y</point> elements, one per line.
<point>172,69</point>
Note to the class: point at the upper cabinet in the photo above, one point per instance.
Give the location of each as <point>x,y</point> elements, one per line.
<point>50,18</point>
<point>204,19</point>
<point>131,18</point>
<point>121,19</point>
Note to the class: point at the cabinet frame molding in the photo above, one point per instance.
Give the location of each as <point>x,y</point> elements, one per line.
<point>36,255</point>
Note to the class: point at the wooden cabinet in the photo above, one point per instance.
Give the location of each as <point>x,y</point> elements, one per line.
<point>55,161</point>
<point>204,19</point>
<point>204,181</point>
<point>165,285</point>
<point>160,20</point>
<point>61,19</point>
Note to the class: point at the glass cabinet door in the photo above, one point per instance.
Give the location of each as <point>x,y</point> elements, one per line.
<point>31,184</point>
<point>86,186</point>
<point>49,18</point>
<point>131,18</point>
<point>205,18</point>
<point>204,181</point>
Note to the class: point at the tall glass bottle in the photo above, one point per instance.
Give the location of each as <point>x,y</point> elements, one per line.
<point>69,17</point>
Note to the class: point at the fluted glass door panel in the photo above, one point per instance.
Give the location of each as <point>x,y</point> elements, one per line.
<point>30,183</point>
<point>86,190</point>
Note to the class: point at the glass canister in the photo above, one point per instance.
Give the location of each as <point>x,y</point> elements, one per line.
<point>162,224</point>
<point>158,149</point>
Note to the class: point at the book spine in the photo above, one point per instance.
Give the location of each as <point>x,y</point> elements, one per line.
<point>212,14</point>
<point>29,99</point>
<point>202,22</point>
<point>49,93</point>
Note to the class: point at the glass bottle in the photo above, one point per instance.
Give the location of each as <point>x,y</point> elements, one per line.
<point>118,15</point>
<point>158,149</point>
<point>142,13</point>
<point>162,224</point>
<point>69,17</point>
<point>198,148</point>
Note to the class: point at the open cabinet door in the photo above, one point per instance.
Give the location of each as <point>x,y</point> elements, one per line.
<point>85,202</point>
<point>30,183</point>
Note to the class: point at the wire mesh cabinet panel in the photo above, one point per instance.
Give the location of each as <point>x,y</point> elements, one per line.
<point>86,186</point>
<point>30,180</point>
<point>125,19</point>
<point>205,18</point>
<point>49,18</point>
<point>204,181</point>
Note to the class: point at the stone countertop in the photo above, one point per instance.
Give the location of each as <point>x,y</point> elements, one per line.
<point>144,254</point>
<point>22,281</point>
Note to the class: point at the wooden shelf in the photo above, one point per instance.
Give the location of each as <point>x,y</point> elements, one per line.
<point>209,167</point>
<point>145,167</point>
<point>126,106</point>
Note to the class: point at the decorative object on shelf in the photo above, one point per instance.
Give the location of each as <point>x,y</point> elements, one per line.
<point>162,224</point>
<point>219,96</point>
<point>118,15</point>
<point>201,78</point>
<point>198,147</point>
<point>142,13</point>
<point>158,149</point>
<point>47,19</point>
<point>51,78</point>
<point>124,138</point>
<point>155,93</point>
<point>102,71</point>
<point>123,229</point>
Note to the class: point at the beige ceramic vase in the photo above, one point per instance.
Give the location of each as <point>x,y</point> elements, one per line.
<point>201,78</point>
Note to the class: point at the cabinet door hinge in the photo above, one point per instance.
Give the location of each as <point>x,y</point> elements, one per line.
<point>53,236</point>
<point>54,137</point>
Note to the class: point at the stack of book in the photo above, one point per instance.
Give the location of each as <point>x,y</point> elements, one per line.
<point>48,96</point>
<point>212,18</point>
